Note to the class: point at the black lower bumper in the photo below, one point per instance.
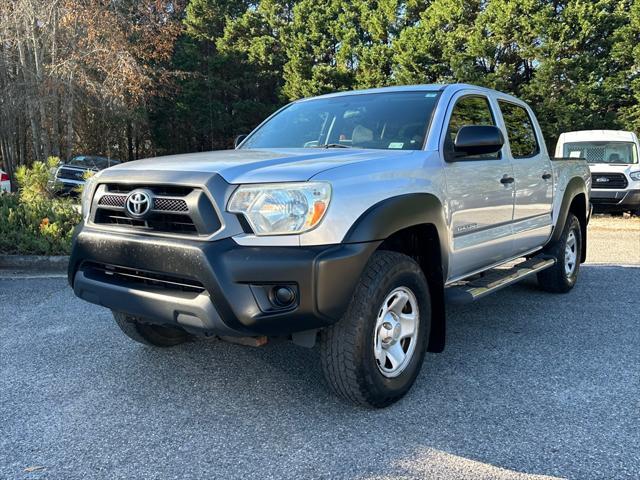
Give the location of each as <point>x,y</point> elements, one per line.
<point>216,287</point>
<point>612,201</point>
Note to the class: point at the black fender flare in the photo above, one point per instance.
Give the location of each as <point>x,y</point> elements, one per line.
<point>575,187</point>
<point>394,214</point>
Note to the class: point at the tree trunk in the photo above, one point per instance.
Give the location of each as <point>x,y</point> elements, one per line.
<point>56,101</point>
<point>69,127</point>
<point>29,93</point>
<point>129,141</point>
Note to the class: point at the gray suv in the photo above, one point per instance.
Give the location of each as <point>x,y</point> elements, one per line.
<point>346,220</point>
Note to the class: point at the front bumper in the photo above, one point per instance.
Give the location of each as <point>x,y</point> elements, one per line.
<point>235,280</point>
<point>612,200</point>
<point>66,186</point>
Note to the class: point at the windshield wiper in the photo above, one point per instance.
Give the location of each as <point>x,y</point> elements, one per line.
<point>330,145</point>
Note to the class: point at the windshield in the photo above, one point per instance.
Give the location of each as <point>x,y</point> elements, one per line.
<point>603,152</point>
<point>397,120</point>
<point>95,163</point>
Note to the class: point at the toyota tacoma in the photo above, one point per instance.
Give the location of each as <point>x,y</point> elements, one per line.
<point>347,220</point>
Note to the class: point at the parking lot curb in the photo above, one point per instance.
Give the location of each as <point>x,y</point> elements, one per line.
<point>35,263</point>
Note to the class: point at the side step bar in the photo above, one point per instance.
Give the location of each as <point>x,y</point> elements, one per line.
<point>494,280</point>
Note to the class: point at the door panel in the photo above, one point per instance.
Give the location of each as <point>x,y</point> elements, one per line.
<point>480,207</point>
<point>534,195</point>
<point>533,181</point>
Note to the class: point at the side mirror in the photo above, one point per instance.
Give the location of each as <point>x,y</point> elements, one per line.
<point>478,140</point>
<point>239,140</point>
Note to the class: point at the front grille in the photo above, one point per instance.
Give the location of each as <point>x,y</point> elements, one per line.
<point>157,222</point>
<point>163,204</point>
<point>170,205</point>
<point>70,174</point>
<point>112,200</point>
<point>105,272</point>
<point>604,201</point>
<point>170,209</point>
<point>608,180</point>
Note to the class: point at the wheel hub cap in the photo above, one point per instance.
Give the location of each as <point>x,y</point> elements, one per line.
<point>390,331</point>
<point>570,254</point>
<point>396,331</point>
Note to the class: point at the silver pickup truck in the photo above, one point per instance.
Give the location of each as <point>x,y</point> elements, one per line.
<point>347,220</point>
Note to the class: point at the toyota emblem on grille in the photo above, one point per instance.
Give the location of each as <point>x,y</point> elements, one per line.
<point>138,203</point>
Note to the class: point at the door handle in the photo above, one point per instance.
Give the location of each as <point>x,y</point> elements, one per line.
<point>506,180</point>
<point>546,176</point>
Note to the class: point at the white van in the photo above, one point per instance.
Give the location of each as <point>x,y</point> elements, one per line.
<point>613,157</point>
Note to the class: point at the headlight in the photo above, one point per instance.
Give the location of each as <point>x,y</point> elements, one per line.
<point>87,195</point>
<point>635,175</point>
<point>282,208</point>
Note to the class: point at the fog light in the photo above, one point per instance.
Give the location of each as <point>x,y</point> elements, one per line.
<point>283,296</point>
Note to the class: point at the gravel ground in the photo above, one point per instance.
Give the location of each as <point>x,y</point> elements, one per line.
<point>531,385</point>
<point>614,240</point>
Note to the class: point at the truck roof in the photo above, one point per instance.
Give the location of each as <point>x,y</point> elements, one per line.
<point>598,136</point>
<point>435,87</point>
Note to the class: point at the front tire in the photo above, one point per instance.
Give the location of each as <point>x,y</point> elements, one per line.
<point>153,335</point>
<point>373,355</point>
<point>567,251</point>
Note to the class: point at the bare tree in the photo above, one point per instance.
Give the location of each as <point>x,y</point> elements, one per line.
<point>73,70</point>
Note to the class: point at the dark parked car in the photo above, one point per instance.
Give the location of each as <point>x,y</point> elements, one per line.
<point>69,176</point>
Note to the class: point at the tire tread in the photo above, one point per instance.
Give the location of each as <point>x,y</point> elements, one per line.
<point>553,279</point>
<point>339,345</point>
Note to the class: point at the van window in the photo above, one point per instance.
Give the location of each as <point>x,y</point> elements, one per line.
<point>602,152</point>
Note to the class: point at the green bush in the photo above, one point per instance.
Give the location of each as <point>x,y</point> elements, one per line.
<point>34,221</point>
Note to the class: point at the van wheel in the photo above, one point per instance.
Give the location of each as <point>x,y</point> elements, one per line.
<point>567,251</point>
<point>154,335</point>
<point>373,355</point>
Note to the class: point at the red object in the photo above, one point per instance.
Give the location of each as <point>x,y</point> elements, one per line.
<point>4,177</point>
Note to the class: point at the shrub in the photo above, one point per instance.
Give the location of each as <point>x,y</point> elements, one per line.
<point>34,221</point>
<point>35,181</point>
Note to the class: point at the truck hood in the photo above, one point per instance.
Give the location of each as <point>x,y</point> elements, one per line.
<point>260,165</point>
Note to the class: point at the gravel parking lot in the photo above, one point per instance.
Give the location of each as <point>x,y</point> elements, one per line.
<point>531,385</point>
<point>614,240</point>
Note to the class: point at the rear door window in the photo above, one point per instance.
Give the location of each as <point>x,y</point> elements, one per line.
<point>520,130</point>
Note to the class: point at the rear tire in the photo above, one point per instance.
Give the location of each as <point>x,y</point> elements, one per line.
<point>567,251</point>
<point>373,355</point>
<point>153,335</point>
